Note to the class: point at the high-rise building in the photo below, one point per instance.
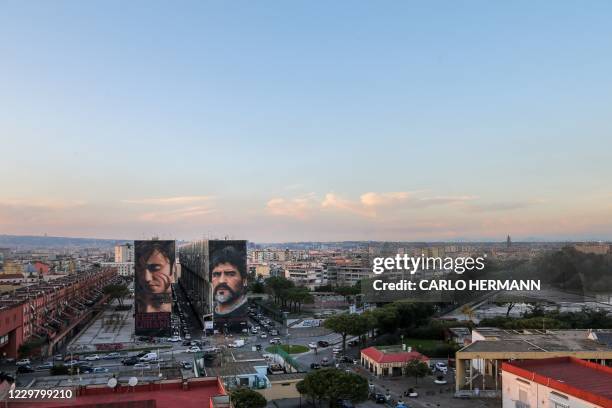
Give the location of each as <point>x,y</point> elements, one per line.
<point>508,242</point>
<point>124,253</point>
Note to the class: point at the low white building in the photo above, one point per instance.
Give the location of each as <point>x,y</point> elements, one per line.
<point>561,382</point>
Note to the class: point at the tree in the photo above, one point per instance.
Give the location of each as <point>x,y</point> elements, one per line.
<point>509,306</point>
<point>257,287</point>
<point>417,369</point>
<point>468,312</point>
<point>341,324</point>
<point>277,286</point>
<point>247,398</point>
<point>331,384</point>
<point>116,291</point>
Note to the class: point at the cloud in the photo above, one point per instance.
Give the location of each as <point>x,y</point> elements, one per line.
<point>169,200</point>
<point>383,199</point>
<point>38,203</point>
<point>368,205</point>
<point>300,207</point>
<point>179,214</point>
<point>335,202</point>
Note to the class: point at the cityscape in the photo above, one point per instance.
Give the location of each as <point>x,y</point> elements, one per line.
<point>70,321</point>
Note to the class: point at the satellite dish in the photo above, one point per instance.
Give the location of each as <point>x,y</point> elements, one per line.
<point>112,383</point>
<point>133,381</point>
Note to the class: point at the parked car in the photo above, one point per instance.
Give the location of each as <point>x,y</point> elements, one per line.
<point>98,370</point>
<point>345,404</point>
<point>26,368</point>
<point>111,356</point>
<point>142,366</point>
<point>379,398</point>
<point>312,345</point>
<point>323,343</point>
<point>46,366</point>
<point>315,366</point>
<point>353,343</point>
<point>275,340</point>
<point>84,369</point>
<point>337,349</point>
<point>194,349</point>
<point>186,365</point>
<point>23,362</point>
<point>325,362</point>
<point>263,335</point>
<point>174,339</point>
<point>347,359</point>
<point>93,357</point>
<point>58,357</point>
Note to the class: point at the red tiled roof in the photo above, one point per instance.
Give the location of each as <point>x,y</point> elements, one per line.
<point>581,379</point>
<point>398,357</point>
<point>168,395</point>
<point>11,276</point>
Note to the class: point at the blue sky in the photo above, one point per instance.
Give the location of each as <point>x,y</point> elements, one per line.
<point>303,120</point>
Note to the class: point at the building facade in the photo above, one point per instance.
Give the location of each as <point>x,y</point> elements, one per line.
<point>556,383</point>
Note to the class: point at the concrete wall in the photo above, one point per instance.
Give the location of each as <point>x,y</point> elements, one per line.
<point>537,395</point>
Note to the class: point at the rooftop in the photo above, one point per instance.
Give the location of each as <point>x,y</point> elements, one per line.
<point>168,394</point>
<point>581,379</point>
<point>392,354</point>
<point>231,368</point>
<point>534,340</point>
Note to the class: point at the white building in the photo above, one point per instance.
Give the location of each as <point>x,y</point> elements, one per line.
<point>124,253</point>
<point>561,382</point>
<point>123,268</point>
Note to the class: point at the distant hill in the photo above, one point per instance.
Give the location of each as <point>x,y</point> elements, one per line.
<point>32,242</point>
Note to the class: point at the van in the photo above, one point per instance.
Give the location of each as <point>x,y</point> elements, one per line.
<point>149,357</point>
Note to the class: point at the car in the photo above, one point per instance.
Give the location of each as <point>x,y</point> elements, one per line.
<point>130,361</point>
<point>379,398</point>
<point>46,366</point>
<point>315,366</point>
<point>111,356</point>
<point>193,349</point>
<point>22,369</point>
<point>337,349</point>
<point>274,332</point>
<point>441,367</point>
<point>71,363</point>
<point>93,357</point>
<point>58,357</point>
<point>353,343</point>
<point>23,362</point>
<point>401,404</point>
<point>325,362</point>
<point>263,336</point>
<point>345,404</point>
<point>187,336</point>
<point>187,343</point>
<point>84,369</point>
<point>347,359</point>
<point>142,366</point>
<point>186,365</point>
<point>323,343</point>
<point>98,370</point>
<point>148,357</point>
<point>174,339</point>
<point>312,345</point>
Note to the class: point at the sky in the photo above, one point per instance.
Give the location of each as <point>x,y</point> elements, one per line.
<point>291,121</point>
